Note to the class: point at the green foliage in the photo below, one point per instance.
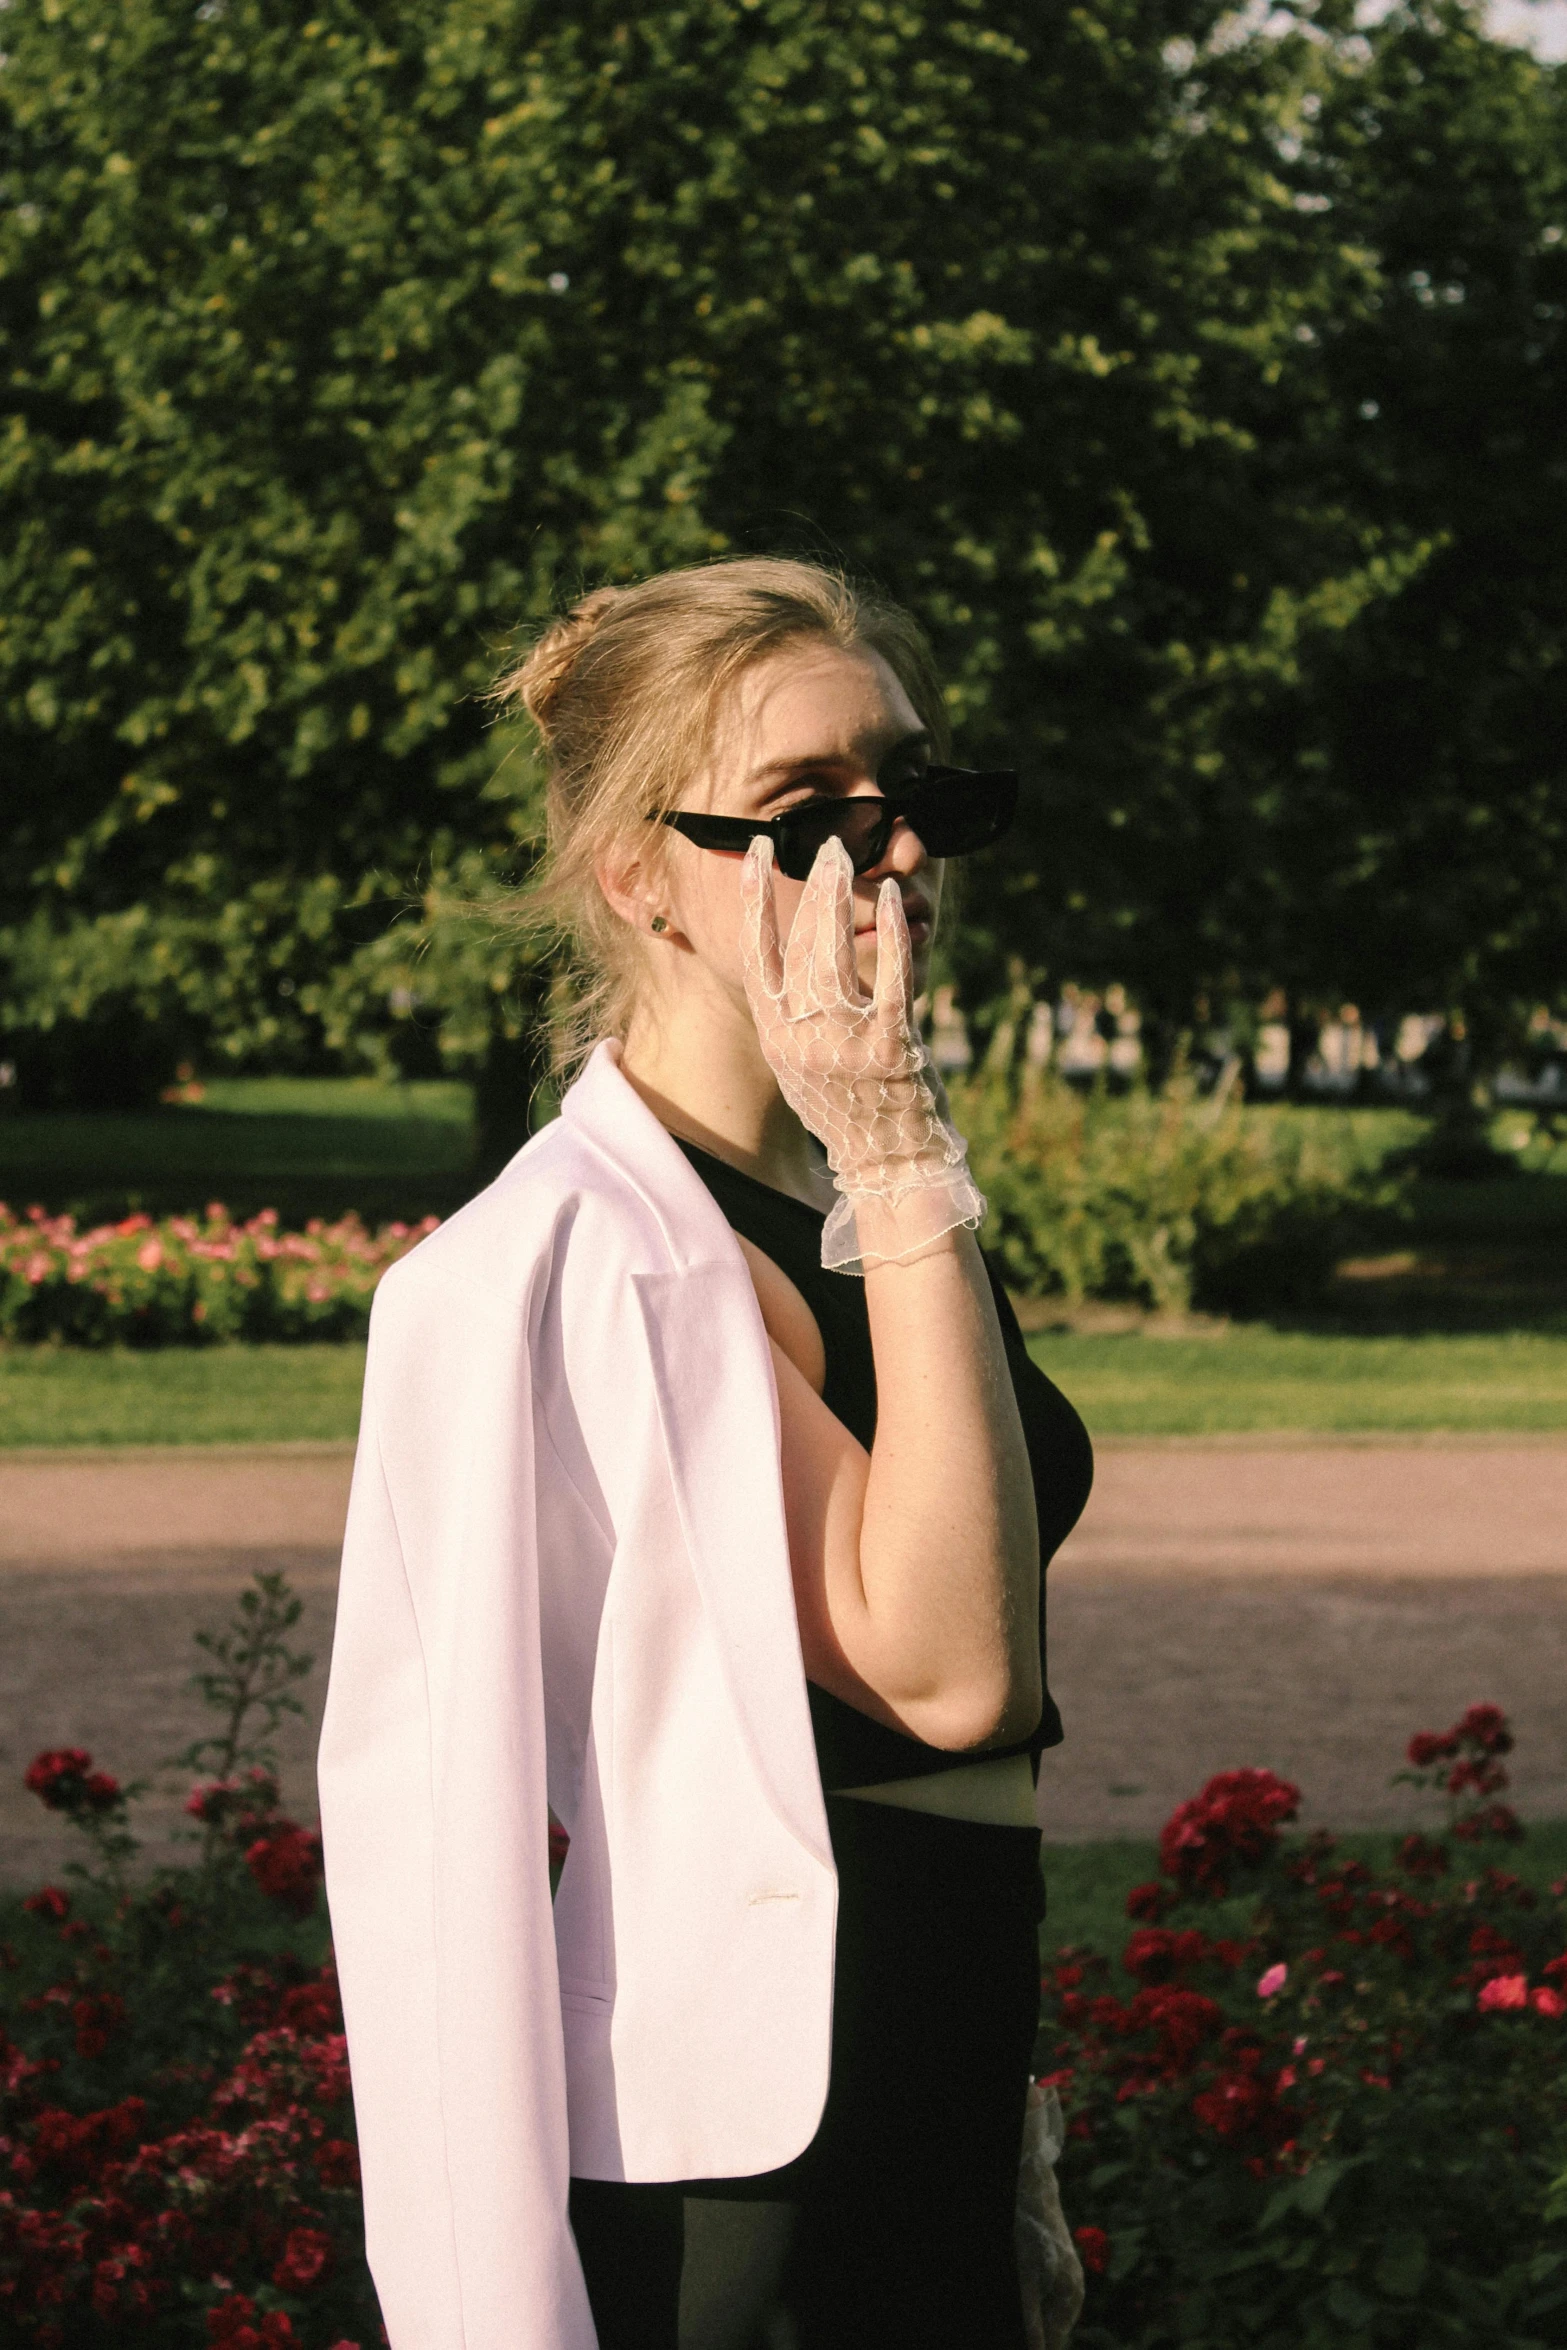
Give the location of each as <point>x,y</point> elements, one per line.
<point>1165,1199</point>
<point>305,1146</point>
<point>249,1679</point>
<point>337,339</point>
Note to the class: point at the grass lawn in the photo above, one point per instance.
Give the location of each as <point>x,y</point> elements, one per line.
<point>313,1146</point>
<point>1246,1379</point>
<point>1087,1884</point>
<point>306,1146</point>
<point>180,1395</point>
<point>1249,1378</point>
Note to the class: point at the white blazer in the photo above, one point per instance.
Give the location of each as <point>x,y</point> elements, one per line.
<point>566,1581</point>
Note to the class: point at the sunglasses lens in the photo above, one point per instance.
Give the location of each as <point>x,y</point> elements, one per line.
<point>955,813</point>
<point>861,825</point>
<point>952,810</point>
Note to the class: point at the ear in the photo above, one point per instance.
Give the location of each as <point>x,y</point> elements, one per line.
<point>631,891</point>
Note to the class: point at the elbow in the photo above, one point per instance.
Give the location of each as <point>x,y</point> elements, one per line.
<point>977,1716</point>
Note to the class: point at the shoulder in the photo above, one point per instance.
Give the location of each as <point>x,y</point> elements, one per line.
<point>557,1194</point>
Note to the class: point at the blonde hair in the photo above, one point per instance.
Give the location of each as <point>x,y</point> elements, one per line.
<point>625,693</point>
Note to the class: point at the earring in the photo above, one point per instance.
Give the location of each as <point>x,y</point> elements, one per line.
<point>658,926</point>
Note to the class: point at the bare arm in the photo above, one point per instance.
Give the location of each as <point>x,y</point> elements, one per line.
<point>916,1566</point>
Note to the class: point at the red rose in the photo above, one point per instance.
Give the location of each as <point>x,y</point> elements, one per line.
<point>307,2255</point>
<point>1181,2020</point>
<point>1157,1954</point>
<point>63,1779</point>
<point>1237,2103</point>
<point>312,2009</point>
<point>1234,1821</point>
<point>1419,1856</point>
<point>235,2324</point>
<point>1486,1726</point>
<point>95,2020</point>
<point>1149,1902</point>
<point>48,1902</point>
<point>286,1864</point>
<point>337,2163</point>
<point>1497,1819</point>
<point>1093,2249</point>
<point>1432,1746</point>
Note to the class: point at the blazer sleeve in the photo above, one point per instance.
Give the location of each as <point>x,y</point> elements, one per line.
<point>433,1812</point>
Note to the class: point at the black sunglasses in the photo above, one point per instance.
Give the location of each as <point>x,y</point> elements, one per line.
<point>953,809</point>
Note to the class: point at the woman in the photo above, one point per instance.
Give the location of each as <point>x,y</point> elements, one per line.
<point>701,1495</point>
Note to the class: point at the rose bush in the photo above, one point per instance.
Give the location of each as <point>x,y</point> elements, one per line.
<point>1332,2110</point>
<point>1319,2106</point>
<point>177,2160</point>
<point>189,1281</point>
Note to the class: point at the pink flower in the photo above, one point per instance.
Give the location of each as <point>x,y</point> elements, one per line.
<point>150,1255</point>
<point>1503,1991</point>
<point>1547,2001</point>
<point>1269,1984</point>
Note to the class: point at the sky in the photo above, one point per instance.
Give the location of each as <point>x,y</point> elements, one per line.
<point>1541,25</point>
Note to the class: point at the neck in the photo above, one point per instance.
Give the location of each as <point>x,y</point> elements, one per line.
<point>699,1067</point>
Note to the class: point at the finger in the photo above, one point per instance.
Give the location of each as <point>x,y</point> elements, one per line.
<point>800,946</point>
<point>762,959</point>
<point>894,962</point>
<point>835,977</point>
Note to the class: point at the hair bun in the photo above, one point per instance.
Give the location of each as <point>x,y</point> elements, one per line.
<point>540,679</point>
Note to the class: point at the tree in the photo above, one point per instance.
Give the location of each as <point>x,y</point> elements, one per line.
<point>337,340</point>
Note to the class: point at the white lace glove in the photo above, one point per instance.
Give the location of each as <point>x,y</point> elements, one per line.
<point>1049,2270</point>
<point>852,1069</point>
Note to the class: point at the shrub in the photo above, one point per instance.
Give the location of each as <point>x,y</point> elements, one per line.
<point>1165,1200</point>
<point>1342,2118</point>
<point>190,1282</point>
<point>177,2161</point>
<point>1325,2110</point>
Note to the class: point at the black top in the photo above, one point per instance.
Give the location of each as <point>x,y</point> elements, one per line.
<point>851,1749</point>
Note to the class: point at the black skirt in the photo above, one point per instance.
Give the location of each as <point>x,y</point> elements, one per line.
<point>895,2224</point>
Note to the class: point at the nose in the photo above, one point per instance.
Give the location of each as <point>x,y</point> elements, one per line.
<point>905,853</point>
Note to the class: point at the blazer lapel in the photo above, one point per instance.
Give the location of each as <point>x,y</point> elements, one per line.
<point>712,1374</point>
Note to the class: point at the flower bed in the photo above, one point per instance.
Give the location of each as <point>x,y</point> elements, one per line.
<point>186,1281</point>
<point>177,2161</point>
<point>1323,2110</point>
<point>1332,2110</point>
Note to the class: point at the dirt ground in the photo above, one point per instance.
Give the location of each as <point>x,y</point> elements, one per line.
<point>1224,1602</point>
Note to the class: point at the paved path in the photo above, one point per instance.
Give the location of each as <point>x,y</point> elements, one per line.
<point>1304,1606</point>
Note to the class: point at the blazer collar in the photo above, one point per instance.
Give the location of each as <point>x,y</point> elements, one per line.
<point>607,1110</point>
<point>718,1408</point>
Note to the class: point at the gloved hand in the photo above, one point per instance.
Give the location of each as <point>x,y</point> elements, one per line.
<point>852,1068</point>
<point>1049,2269</point>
